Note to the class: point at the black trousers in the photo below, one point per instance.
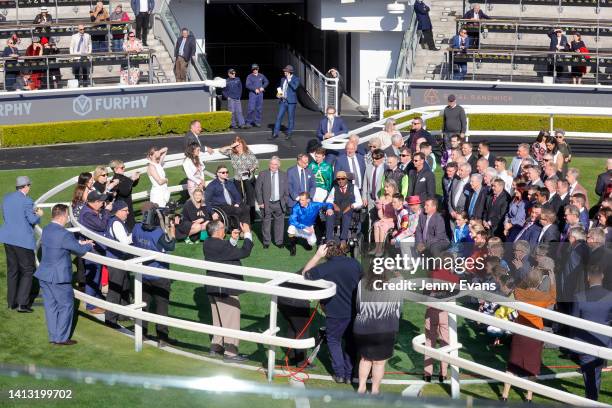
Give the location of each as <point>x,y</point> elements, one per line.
<point>241,214</point>
<point>427,39</point>
<point>157,291</point>
<point>591,373</point>
<point>80,70</point>
<point>297,316</point>
<point>118,291</point>
<point>20,266</point>
<point>142,27</point>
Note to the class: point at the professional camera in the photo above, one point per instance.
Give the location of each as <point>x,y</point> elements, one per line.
<point>160,217</point>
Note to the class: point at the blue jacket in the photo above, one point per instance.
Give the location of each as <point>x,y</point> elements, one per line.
<point>338,127</point>
<point>57,243</point>
<point>149,240</point>
<point>292,87</point>
<point>136,6</point>
<point>293,178</point>
<point>110,252</point>
<point>95,222</point>
<point>342,164</point>
<point>254,82</point>
<point>19,221</point>
<point>422,14</point>
<point>594,305</point>
<point>213,195</point>
<point>456,42</point>
<point>233,88</point>
<point>302,217</point>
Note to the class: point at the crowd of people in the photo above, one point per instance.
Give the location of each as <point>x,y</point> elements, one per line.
<point>529,220</point>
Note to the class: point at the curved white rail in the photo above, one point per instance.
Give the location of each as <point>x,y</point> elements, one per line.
<point>266,282</point>
<point>430,112</point>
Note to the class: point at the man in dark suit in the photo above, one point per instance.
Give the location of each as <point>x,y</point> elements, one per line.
<point>422,181</point>
<point>572,275</point>
<point>601,253</point>
<point>470,157</point>
<point>224,302</point>
<point>331,125</point>
<point>531,230</point>
<point>17,235</point>
<point>475,13</point>
<point>424,24</point>
<point>475,204</point>
<point>417,132</point>
<point>430,233</point>
<point>350,161</point>
<point>496,208</point>
<point>397,144</point>
<point>450,175</point>
<point>124,188</point>
<point>271,192</point>
<point>287,101</point>
<point>558,43</point>
<point>142,11</point>
<point>460,42</point>
<point>184,50</point>
<point>55,275</point>
<point>594,305</point>
<point>300,179</point>
<point>484,151</point>
<point>603,181</point>
<point>222,193</point>
<point>550,230</point>
<point>193,136</point>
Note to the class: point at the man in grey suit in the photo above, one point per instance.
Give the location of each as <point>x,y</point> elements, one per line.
<point>193,136</point>
<point>430,234</point>
<point>374,178</point>
<point>271,192</point>
<point>458,191</point>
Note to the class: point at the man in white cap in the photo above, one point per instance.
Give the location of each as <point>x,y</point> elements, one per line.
<point>287,101</point>
<point>17,235</point>
<point>43,17</point>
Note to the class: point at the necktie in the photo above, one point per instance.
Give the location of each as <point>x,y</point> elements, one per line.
<point>520,234</point>
<point>494,198</point>
<point>303,180</point>
<point>473,203</point>
<point>373,185</point>
<point>80,44</point>
<point>285,87</point>
<point>425,232</point>
<point>356,172</point>
<point>226,194</point>
<point>274,187</point>
<point>330,125</point>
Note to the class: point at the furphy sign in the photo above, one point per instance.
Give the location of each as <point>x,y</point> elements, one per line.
<point>103,102</point>
<point>84,105</point>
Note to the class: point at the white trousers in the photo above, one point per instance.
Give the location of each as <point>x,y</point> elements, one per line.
<point>309,236</point>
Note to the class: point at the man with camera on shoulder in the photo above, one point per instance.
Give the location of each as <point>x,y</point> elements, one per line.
<point>156,232</point>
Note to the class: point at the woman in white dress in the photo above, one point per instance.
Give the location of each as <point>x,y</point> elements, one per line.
<point>159,194</point>
<point>387,134</point>
<point>194,168</point>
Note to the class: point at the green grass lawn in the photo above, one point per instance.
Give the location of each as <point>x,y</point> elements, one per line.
<point>24,337</point>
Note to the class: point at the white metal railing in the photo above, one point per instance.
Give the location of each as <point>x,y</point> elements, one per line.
<point>450,353</point>
<point>429,112</point>
<point>322,89</point>
<point>266,282</point>
<point>407,56</point>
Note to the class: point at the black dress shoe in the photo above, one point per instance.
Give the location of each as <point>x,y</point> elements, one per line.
<point>238,358</point>
<point>266,246</point>
<point>308,247</point>
<point>66,343</point>
<point>427,378</point>
<point>440,378</point>
<point>338,380</point>
<point>24,309</point>
<point>112,325</point>
<point>292,251</point>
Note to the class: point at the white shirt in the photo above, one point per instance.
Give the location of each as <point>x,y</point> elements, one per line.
<point>120,234</point>
<point>507,180</point>
<point>543,231</point>
<point>192,172</point>
<point>358,201</point>
<point>144,6</point>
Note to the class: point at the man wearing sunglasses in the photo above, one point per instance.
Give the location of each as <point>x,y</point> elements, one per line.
<point>223,193</point>
<point>80,44</point>
<point>344,199</point>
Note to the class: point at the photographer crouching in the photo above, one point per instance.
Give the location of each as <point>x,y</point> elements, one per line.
<point>156,232</point>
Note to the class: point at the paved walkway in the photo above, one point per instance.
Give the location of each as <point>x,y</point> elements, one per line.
<point>79,154</point>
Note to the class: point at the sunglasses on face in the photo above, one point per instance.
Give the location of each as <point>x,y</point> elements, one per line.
<point>341,178</point>
<point>131,36</point>
<point>222,172</point>
<point>81,30</point>
<point>103,175</point>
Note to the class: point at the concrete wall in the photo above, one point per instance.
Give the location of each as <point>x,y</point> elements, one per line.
<point>363,15</point>
<point>373,55</point>
<point>190,14</point>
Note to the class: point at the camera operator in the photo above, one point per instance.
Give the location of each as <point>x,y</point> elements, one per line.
<point>194,218</point>
<point>155,233</point>
<point>118,279</point>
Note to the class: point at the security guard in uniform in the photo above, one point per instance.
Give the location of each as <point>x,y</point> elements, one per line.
<point>256,84</point>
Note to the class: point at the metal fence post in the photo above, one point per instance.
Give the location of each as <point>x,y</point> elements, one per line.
<point>452,341</point>
<point>551,122</point>
<point>272,350</point>
<point>467,128</point>
<point>138,322</point>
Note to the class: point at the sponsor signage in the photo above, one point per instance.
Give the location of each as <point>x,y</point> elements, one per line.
<point>104,102</point>
<point>428,93</point>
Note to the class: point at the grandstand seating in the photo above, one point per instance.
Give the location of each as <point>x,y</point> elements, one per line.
<point>67,14</point>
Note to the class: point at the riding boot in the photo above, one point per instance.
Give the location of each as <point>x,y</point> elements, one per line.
<point>292,243</point>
